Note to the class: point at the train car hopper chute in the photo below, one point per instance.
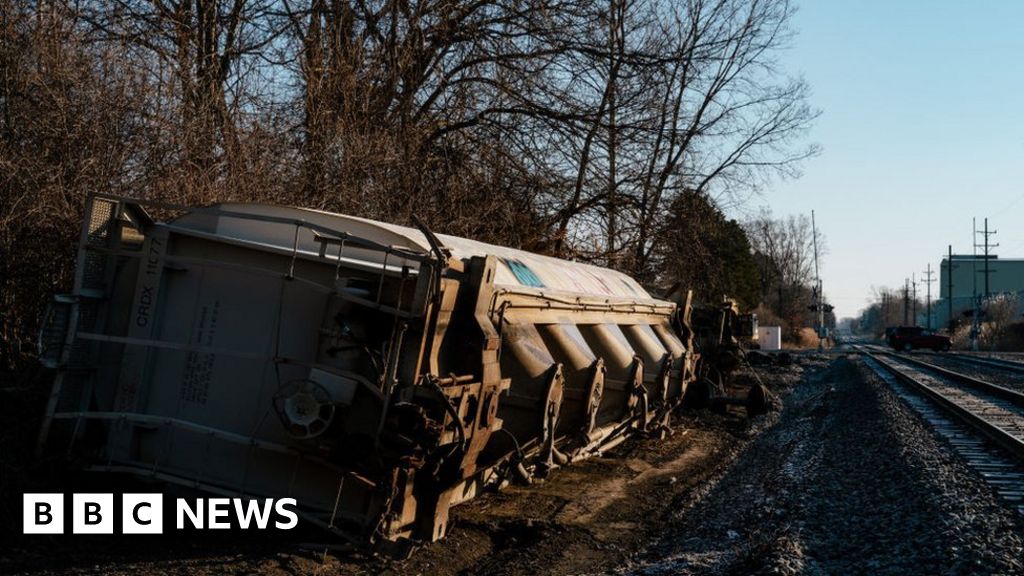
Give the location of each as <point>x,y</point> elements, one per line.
<point>377,373</point>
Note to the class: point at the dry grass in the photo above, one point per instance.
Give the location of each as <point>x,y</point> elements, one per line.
<point>1007,338</point>
<point>807,339</point>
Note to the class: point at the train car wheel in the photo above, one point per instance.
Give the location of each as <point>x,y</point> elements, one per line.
<point>758,401</point>
<point>699,394</point>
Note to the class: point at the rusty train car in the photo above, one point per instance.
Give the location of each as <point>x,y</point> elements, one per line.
<point>378,374</point>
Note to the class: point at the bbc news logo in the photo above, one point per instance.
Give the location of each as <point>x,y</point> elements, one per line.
<point>144,513</point>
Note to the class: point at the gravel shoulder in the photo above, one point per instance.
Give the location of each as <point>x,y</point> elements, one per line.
<point>849,481</point>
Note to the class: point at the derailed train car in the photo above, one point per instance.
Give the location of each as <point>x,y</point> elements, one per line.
<point>378,374</point>
<point>721,335</point>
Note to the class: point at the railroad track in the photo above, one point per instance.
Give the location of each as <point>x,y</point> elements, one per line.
<point>1009,366</point>
<point>983,422</point>
<point>999,363</point>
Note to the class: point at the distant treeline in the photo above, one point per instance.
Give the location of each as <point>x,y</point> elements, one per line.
<point>611,131</point>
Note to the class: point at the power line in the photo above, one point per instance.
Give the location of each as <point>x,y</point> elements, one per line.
<point>987,246</point>
<point>906,303</point>
<point>913,284</point>
<point>928,281</point>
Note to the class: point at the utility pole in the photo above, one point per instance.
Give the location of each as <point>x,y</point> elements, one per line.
<point>888,308</point>
<point>974,296</point>
<point>913,300</point>
<point>885,309</point>
<point>928,280</point>
<point>987,246</point>
<point>906,300</point>
<point>818,305</point>
<point>949,287</point>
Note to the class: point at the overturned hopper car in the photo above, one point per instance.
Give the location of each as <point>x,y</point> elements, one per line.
<point>378,374</point>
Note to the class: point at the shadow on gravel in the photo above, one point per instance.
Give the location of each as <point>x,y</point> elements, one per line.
<point>848,481</point>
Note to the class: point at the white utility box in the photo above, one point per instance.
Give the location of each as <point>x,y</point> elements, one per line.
<point>769,337</point>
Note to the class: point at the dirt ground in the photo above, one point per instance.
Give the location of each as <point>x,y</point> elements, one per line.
<point>599,514</point>
<point>841,479</point>
<point>592,516</point>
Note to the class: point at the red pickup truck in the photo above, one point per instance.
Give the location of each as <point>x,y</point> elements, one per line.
<point>908,338</point>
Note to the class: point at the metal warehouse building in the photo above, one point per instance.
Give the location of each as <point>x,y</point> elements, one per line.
<point>1005,275</point>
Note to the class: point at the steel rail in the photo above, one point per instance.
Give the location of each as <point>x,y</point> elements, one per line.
<point>990,430</point>
<point>1008,365</point>
<point>1012,396</point>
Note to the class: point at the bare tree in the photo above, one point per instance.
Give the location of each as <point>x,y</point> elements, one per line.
<point>691,99</point>
<point>198,55</point>
<point>610,109</point>
<point>65,130</point>
<point>562,126</point>
<point>885,309</point>
<point>785,249</point>
<point>1001,311</point>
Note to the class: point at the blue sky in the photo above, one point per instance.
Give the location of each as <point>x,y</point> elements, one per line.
<point>922,128</point>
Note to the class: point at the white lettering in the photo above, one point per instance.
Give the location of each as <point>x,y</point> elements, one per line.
<point>218,509</point>
<point>279,506</point>
<point>195,517</point>
<point>252,509</point>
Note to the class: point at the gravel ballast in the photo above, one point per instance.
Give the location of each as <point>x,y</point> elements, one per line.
<point>1012,380</point>
<point>849,481</point>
